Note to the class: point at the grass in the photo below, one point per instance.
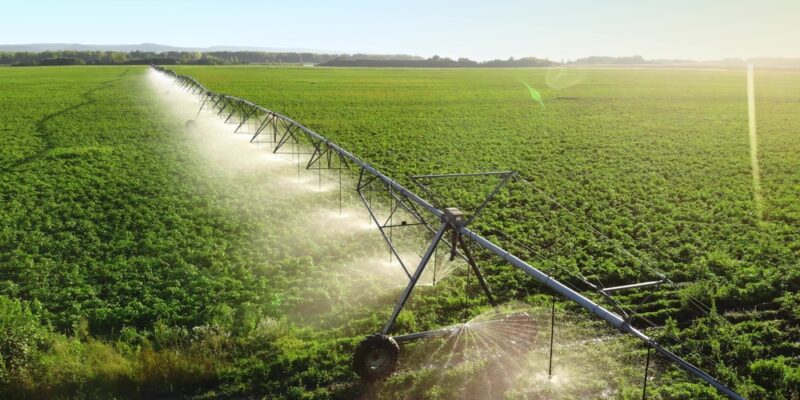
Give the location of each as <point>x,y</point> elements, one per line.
<point>140,263</point>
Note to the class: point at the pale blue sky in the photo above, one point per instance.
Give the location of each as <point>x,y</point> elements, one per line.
<point>568,29</point>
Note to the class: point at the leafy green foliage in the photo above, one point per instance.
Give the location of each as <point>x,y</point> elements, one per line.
<point>131,268</point>
<point>21,339</point>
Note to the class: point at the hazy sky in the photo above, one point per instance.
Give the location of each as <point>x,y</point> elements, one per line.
<point>568,29</point>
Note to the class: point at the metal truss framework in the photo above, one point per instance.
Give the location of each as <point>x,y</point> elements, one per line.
<point>282,132</point>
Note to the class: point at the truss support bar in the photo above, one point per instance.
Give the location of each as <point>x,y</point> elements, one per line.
<point>386,238</point>
<point>444,332</point>
<point>263,125</point>
<point>553,335</point>
<point>463,175</point>
<point>421,267</point>
<point>633,286</point>
<point>646,371</point>
<point>235,109</point>
<point>224,106</point>
<point>402,225</point>
<point>247,116</point>
<point>478,274</point>
<point>490,197</point>
<point>288,134</point>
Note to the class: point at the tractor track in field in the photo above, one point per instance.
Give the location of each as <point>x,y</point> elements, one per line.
<point>41,125</point>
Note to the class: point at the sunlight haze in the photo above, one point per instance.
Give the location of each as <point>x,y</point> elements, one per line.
<point>700,30</point>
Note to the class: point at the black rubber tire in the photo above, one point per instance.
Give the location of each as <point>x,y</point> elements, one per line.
<point>376,357</point>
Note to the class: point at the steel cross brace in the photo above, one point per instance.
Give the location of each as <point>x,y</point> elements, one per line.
<point>267,119</point>
<point>320,157</point>
<point>235,109</point>
<point>246,116</point>
<point>224,106</point>
<point>202,105</point>
<point>401,302</point>
<point>385,238</point>
<point>288,134</point>
<point>217,99</point>
<point>318,152</point>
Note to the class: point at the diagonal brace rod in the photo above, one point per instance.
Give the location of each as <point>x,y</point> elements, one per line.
<point>401,302</point>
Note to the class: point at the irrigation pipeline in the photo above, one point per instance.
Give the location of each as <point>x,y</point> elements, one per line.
<point>322,146</point>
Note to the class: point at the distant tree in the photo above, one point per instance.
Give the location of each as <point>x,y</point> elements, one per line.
<point>61,61</point>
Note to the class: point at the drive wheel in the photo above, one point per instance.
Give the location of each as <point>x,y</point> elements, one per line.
<point>376,357</point>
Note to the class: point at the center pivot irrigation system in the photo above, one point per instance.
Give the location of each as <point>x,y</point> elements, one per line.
<point>377,355</point>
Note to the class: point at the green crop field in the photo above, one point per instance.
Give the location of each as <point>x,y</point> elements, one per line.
<point>139,260</point>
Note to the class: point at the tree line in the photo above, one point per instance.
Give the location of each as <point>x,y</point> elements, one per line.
<point>87,57</point>
<point>439,62</point>
<point>75,57</point>
<point>72,57</point>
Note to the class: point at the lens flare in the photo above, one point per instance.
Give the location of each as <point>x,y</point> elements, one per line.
<point>751,117</point>
<point>535,95</point>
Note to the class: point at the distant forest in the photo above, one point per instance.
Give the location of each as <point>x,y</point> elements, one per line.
<point>72,57</point>
<point>85,57</point>
<point>439,62</point>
